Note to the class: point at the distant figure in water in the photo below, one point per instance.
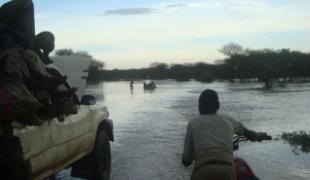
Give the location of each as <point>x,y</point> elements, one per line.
<point>208,141</point>
<point>131,85</point>
<point>149,85</point>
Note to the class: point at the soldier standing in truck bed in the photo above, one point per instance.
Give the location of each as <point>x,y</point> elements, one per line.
<point>18,17</point>
<point>21,56</point>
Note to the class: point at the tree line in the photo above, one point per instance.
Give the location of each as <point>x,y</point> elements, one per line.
<point>265,65</point>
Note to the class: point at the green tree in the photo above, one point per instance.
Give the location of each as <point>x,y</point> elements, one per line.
<point>231,49</point>
<point>64,52</point>
<point>158,70</point>
<point>180,72</point>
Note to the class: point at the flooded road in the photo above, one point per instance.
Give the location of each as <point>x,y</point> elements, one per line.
<point>150,127</point>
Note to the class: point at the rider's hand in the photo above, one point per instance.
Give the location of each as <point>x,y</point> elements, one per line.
<point>263,136</point>
<point>256,136</point>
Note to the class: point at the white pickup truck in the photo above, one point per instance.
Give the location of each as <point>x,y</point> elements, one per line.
<point>80,140</point>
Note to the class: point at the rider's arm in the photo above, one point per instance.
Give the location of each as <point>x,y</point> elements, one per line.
<point>241,130</point>
<point>188,150</point>
<point>251,135</point>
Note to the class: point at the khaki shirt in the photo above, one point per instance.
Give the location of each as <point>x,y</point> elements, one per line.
<point>210,137</point>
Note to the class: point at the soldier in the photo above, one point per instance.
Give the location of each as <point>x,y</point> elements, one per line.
<point>44,44</point>
<point>18,17</point>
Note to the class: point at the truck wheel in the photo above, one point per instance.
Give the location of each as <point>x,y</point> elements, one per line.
<point>101,157</point>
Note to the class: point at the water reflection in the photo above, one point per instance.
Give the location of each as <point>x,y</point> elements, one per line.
<point>299,141</point>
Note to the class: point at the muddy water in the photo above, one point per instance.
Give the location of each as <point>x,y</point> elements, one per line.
<point>150,127</point>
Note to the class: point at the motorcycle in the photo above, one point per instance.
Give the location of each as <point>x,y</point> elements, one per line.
<point>243,170</point>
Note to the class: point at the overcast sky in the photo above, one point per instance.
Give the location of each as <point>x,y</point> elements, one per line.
<point>135,33</point>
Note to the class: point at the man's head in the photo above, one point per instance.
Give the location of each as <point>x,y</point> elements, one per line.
<point>45,41</point>
<point>208,102</point>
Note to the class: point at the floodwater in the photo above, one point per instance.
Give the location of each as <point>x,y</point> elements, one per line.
<point>149,127</point>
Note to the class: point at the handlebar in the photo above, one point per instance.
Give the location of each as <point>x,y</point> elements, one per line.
<point>259,137</point>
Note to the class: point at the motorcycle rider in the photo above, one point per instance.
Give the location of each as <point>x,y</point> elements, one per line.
<point>208,141</point>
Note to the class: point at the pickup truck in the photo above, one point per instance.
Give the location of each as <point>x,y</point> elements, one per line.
<point>80,140</point>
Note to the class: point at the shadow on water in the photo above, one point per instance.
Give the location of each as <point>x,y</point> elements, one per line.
<point>298,140</point>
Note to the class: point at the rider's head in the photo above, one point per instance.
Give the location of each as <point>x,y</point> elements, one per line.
<point>208,102</point>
